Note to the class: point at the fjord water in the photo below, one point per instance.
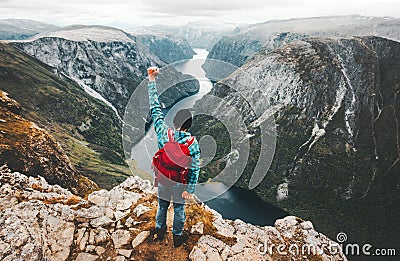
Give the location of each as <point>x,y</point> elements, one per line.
<point>233,203</point>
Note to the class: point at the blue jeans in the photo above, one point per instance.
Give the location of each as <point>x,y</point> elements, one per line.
<point>165,194</point>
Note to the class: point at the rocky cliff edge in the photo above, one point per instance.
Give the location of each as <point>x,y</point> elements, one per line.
<point>39,221</point>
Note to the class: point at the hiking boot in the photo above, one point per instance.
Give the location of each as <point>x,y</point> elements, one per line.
<point>159,234</point>
<point>181,239</point>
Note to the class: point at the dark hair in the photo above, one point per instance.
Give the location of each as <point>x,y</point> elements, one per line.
<point>183,119</point>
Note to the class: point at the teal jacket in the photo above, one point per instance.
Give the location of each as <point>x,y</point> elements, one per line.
<point>161,129</point>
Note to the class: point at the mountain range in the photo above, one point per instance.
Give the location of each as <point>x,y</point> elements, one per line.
<point>331,85</point>
<point>108,60</point>
<point>247,40</point>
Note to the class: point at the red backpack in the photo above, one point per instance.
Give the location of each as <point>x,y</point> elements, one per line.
<point>172,161</point>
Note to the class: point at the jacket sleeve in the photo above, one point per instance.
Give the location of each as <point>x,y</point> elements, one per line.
<point>194,170</point>
<point>157,115</point>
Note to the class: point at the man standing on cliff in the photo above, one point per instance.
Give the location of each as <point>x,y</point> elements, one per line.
<point>178,192</point>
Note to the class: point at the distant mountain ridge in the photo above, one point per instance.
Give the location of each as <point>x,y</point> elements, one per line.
<point>199,34</point>
<point>18,29</point>
<point>78,33</point>
<point>247,40</point>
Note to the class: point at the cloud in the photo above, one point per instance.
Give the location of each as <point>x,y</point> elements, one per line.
<point>210,7</point>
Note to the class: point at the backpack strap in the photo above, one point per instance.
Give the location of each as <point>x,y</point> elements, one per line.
<point>171,135</point>
<point>189,141</point>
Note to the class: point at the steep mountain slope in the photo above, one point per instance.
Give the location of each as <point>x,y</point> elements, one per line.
<point>39,221</point>
<point>336,105</point>
<point>26,147</point>
<point>18,29</point>
<point>248,40</point>
<point>168,48</point>
<point>87,128</point>
<point>104,59</point>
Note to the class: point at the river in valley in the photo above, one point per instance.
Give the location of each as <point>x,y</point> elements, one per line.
<point>233,203</point>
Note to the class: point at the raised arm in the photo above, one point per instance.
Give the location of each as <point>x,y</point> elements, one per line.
<point>155,109</point>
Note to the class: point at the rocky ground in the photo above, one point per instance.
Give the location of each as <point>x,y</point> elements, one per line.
<point>39,221</point>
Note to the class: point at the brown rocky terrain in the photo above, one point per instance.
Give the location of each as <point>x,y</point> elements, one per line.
<point>27,148</point>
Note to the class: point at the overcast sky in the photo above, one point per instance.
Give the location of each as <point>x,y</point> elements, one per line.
<point>129,13</point>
